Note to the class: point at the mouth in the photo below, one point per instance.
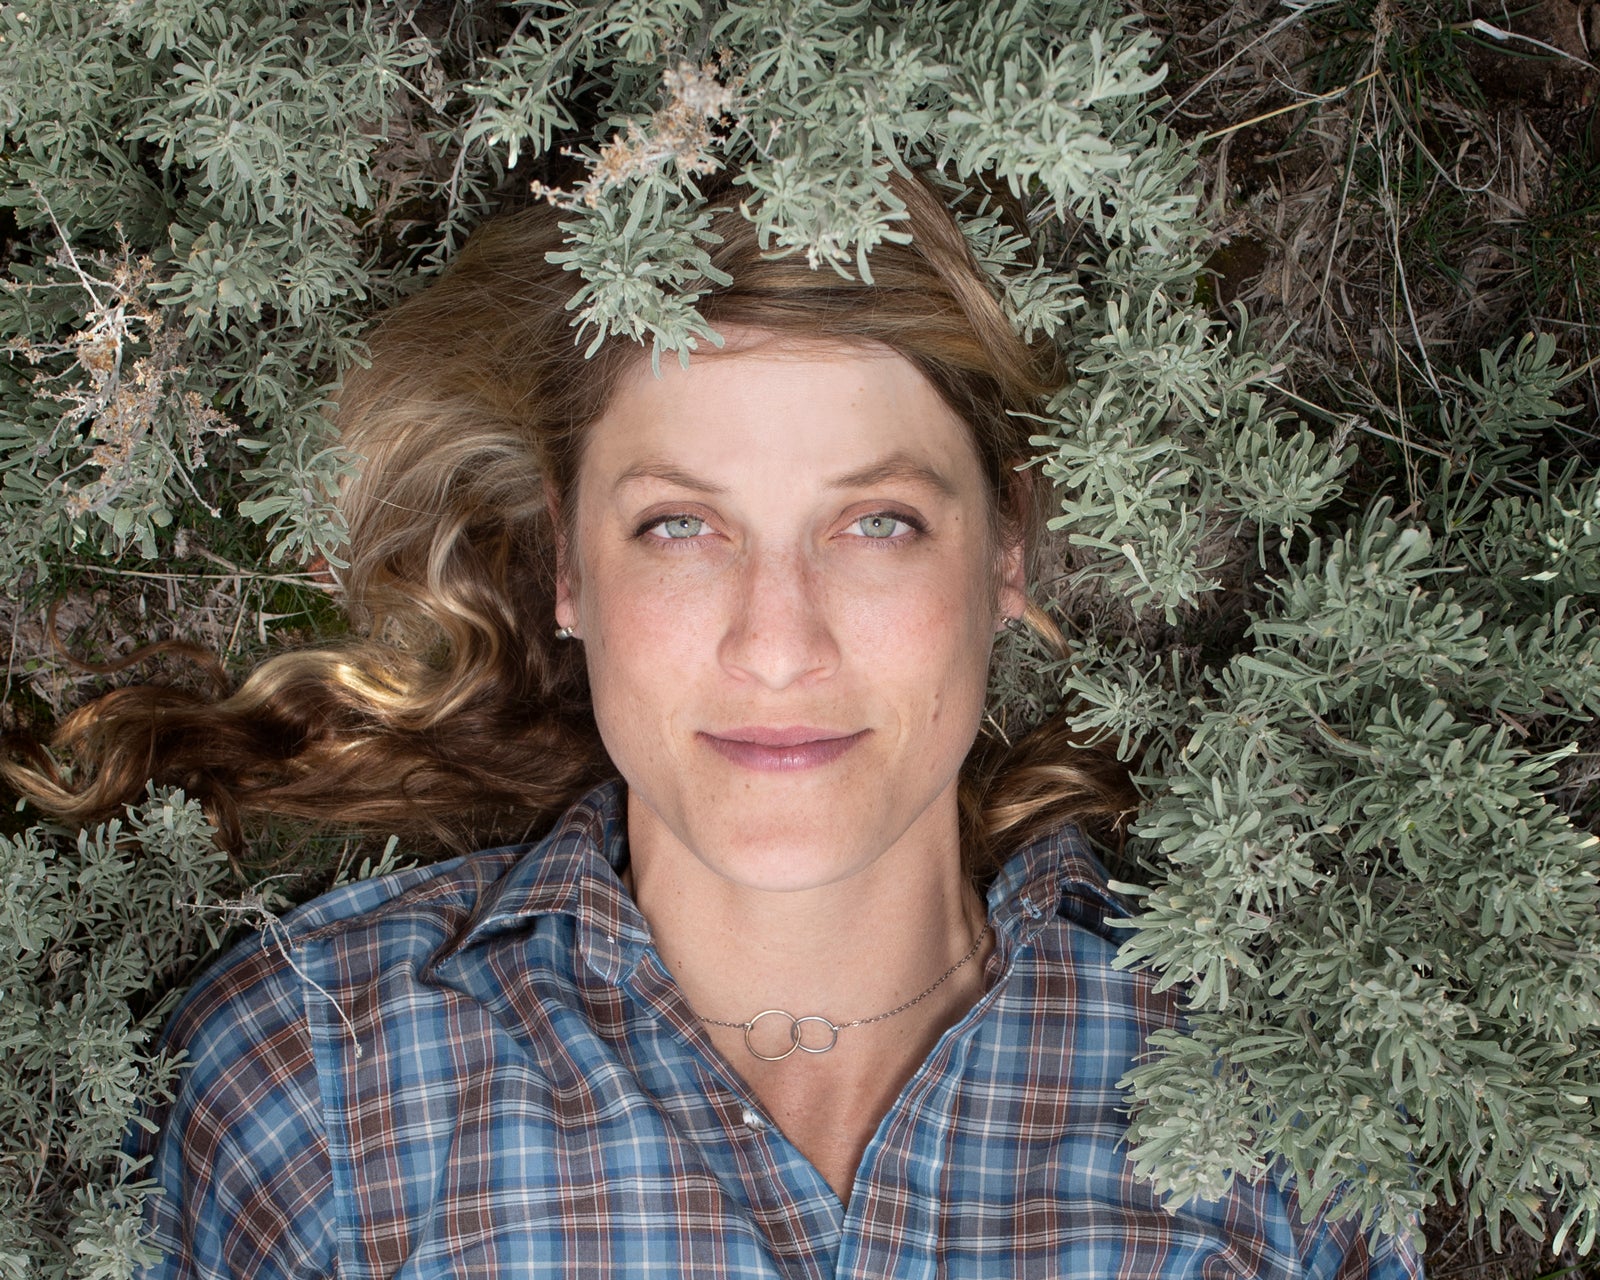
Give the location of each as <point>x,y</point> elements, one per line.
<point>781,749</point>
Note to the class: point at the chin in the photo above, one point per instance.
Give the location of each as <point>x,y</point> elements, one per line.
<point>781,851</point>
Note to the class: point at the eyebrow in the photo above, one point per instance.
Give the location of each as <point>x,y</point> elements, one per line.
<point>897,466</point>
<point>654,470</point>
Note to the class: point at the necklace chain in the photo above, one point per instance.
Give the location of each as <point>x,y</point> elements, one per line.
<point>834,1028</point>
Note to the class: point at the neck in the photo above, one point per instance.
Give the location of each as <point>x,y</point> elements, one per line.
<point>850,949</point>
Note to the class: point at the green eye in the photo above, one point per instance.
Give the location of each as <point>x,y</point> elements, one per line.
<point>879,526</point>
<point>682,526</point>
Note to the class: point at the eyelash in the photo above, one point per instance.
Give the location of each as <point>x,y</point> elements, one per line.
<point>645,530</point>
<point>916,526</point>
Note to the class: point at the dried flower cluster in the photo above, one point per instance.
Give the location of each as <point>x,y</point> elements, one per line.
<point>680,134</point>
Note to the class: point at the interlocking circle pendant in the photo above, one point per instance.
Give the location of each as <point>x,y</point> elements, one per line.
<point>797,1035</point>
<point>824,1040</point>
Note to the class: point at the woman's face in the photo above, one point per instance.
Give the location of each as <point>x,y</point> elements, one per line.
<point>785,581</point>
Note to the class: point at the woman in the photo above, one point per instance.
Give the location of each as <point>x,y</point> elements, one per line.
<point>808,984</point>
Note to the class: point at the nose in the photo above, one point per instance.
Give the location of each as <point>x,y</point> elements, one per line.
<point>778,629</point>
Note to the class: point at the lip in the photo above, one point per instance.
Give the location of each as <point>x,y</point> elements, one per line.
<point>780,749</point>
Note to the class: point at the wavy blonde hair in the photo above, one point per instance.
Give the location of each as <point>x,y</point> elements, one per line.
<point>456,713</point>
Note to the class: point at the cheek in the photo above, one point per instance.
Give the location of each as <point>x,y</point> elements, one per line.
<point>917,634</point>
<point>643,630</point>
<point>931,640</point>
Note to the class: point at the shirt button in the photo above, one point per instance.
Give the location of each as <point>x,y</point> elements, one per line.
<point>753,1121</point>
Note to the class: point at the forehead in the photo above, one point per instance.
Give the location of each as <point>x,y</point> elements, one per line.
<point>801,410</point>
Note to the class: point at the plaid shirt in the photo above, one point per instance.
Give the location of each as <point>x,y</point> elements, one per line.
<point>482,1068</point>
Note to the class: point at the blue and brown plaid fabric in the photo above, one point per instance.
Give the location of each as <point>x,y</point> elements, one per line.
<point>482,1068</point>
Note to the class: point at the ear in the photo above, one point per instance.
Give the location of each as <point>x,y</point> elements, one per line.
<point>566,609</point>
<point>1011,600</point>
<point>1018,500</point>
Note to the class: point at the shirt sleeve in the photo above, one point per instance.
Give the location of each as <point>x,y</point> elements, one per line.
<point>1395,1258</point>
<point>1340,1251</point>
<point>240,1159</point>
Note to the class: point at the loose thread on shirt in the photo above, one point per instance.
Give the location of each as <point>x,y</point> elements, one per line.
<point>252,904</point>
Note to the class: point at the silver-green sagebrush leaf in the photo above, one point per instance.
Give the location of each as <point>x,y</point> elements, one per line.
<point>1351,701</point>
<point>93,926</point>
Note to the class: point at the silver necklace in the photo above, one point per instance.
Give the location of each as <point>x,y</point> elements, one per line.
<point>796,1034</point>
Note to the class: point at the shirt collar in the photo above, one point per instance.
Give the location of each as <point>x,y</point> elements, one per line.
<point>575,871</point>
<point>1054,875</point>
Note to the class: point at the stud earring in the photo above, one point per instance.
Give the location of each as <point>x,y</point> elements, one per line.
<point>565,633</point>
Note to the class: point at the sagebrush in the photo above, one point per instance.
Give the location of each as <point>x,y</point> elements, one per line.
<point>1352,696</point>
